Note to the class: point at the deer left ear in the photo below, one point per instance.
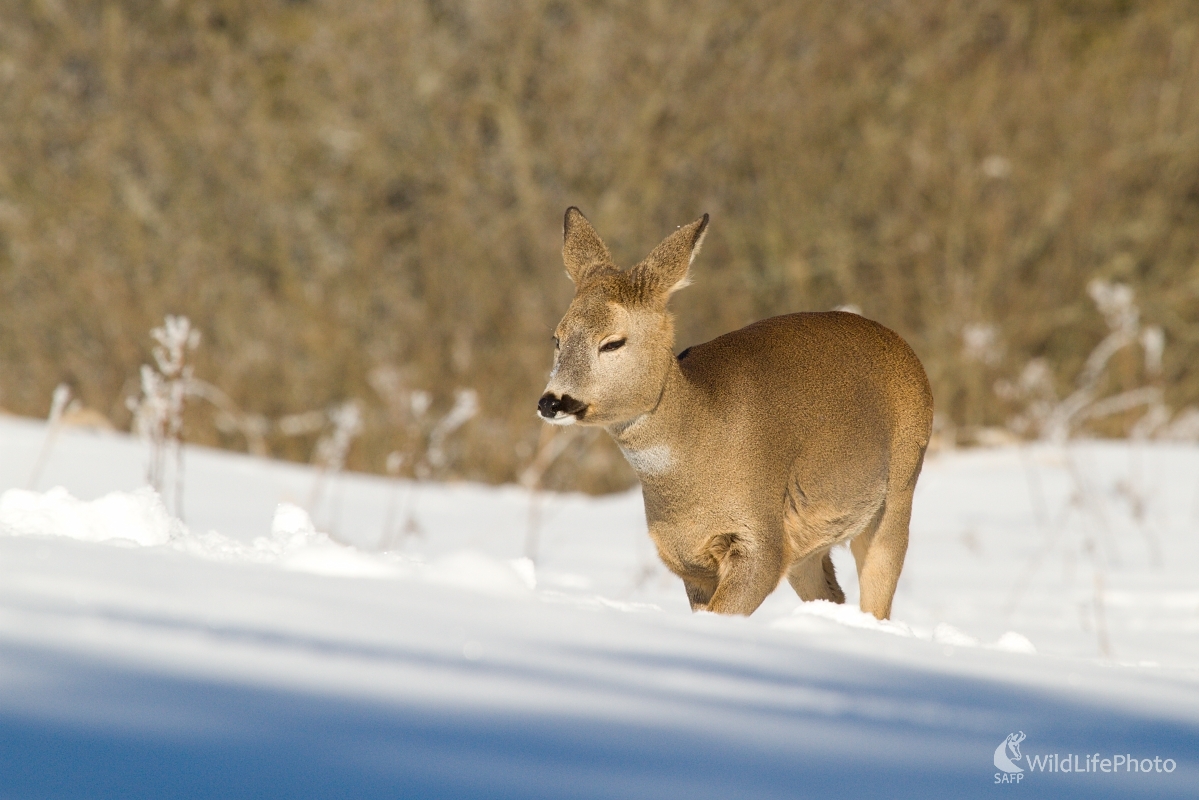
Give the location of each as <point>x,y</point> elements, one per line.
<point>665,270</point>
<point>583,252</point>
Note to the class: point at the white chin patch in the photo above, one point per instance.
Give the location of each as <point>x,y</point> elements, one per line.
<point>561,419</point>
<point>650,461</point>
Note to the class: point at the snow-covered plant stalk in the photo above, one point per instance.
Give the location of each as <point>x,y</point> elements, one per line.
<point>466,405</point>
<point>60,404</point>
<point>333,447</point>
<point>434,458</point>
<point>158,413</point>
<point>231,419</point>
<point>1058,421</point>
<point>551,443</point>
<point>395,461</point>
<point>424,452</point>
<point>331,450</point>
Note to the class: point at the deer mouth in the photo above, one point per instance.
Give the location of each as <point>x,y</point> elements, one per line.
<point>564,410</point>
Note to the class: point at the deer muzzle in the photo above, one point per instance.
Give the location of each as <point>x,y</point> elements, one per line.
<point>563,410</point>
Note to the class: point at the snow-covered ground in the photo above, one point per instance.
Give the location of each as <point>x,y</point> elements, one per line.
<point>242,653</point>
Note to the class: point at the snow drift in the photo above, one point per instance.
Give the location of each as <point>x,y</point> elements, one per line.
<point>264,649</point>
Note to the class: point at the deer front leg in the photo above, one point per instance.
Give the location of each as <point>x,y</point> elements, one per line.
<point>747,570</point>
<point>699,593</point>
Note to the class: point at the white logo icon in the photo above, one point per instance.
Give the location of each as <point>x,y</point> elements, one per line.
<point>1012,742</point>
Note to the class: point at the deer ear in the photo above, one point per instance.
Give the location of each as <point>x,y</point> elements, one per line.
<point>582,249</point>
<point>665,270</point>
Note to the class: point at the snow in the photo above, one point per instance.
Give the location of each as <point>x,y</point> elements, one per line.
<point>137,517</point>
<point>255,648</point>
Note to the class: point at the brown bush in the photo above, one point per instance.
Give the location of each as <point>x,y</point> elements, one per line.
<point>359,198</point>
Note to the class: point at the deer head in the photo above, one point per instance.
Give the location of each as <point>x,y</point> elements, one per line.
<point>614,347</point>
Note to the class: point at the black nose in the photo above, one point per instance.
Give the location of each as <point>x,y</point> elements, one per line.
<point>549,405</point>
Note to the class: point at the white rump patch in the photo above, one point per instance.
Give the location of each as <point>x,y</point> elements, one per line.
<point>650,461</point>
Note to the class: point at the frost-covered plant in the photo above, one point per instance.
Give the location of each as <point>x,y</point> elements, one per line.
<point>345,423</point>
<point>303,423</point>
<point>434,458</point>
<point>1060,420</point>
<point>393,464</point>
<point>158,412</point>
<point>60,404</point>
<point>331,449</point>
<point>466,406</point>
<point>424,452</point>
<point>980,343</point>
<point>1057,420</point>
<point>551,443</point>
<point>231,419</point>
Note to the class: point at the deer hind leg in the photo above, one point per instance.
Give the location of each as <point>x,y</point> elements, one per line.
<point>813,527</point>
<point>879,553</point>
<point>814,578</point>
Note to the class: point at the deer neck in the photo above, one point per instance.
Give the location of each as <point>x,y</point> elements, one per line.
<point>649,441</point>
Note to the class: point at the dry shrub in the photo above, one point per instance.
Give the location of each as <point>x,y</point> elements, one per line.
<point>337,187</point>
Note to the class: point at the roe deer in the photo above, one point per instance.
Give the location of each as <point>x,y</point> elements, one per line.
<point>757,451</point>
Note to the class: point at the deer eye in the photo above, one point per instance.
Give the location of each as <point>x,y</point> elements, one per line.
<point>555,342</point>
<point>615,344</point>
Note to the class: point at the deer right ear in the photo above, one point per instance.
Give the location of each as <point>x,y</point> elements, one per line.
<point>582,249</point>
<point>664,270</point>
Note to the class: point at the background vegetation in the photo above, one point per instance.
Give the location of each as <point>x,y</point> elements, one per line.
<point>361,199</point>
